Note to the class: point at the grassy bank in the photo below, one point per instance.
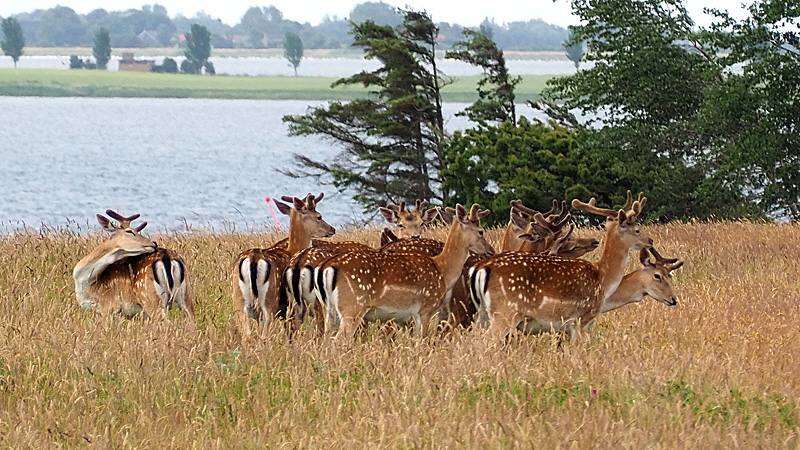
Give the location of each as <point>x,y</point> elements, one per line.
<point>97,83</point>
<point>717,371</point>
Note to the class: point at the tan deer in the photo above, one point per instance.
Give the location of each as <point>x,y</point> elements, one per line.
<point>652,279</point>
<point>554,293</point>
<point>409,223</point>
<point>128,274</point>
<point>360,286</point>
<point>299,275</point>
<point>257,273</point>
<point>547,228</point>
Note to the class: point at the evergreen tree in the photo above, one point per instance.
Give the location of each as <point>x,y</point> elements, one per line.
<point>13,40</point>
<point>102,48</point>
<point>392,139</point>
<point>198,49</point>
<point>496,87</point>
<point>574,50</point>
<point>293,50</point>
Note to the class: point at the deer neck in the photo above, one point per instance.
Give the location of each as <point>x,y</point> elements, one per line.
<point>299,236</point>
<point>90,268</point>
<point>450,261</point>
<point>510,241</point>
<point>628,291</point>
<point>613,260</point>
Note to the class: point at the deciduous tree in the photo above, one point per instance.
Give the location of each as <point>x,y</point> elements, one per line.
<point>13,40</point>
<point>293,50</point>
<point>198,48</point>
<point>102,48</point>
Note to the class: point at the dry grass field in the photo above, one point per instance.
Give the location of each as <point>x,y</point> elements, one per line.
<point>720,370</point>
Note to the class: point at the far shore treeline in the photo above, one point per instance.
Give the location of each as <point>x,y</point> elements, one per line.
<point>259,28</point>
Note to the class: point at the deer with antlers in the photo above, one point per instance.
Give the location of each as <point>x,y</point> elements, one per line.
<point>129,273</point>
<point>257,273</point>
<point>554,293</point>
<point>652,279</point>
<point>382,286</point>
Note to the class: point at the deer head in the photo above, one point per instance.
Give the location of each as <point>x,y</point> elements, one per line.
<point>304,213</point>
<point>125,241</point>
<point>470,228</point>
<point>409,223</point>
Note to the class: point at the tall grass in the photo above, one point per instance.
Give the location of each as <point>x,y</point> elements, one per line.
<point>720,370</point>
<point>101,83</point>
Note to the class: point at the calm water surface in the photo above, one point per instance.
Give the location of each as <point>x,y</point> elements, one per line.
<point>205,163</point>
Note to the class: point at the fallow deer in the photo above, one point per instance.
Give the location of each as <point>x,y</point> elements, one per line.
<point>299,275</point>
<point>129,273</point>
<point>409,223</point>
<point>257,274</point>
<point>652,279</point>
<point>554,293</point>
<point>382,286</point>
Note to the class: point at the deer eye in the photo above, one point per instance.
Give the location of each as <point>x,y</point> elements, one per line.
<point>657,277</point>
<point>400,225</point>
<point>480,233</point>
<point>129,231</point>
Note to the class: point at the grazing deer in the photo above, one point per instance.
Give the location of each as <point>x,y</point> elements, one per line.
<point>384,286</point>
<point>128,273</point>
<point>257,273</point>
<point>554,293</point>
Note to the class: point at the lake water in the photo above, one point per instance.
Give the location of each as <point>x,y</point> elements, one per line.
<point>317,67</point>
<point>202,162</point>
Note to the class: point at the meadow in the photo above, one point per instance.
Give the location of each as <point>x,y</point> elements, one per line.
<point>100,83</point>
<point>719,370</point>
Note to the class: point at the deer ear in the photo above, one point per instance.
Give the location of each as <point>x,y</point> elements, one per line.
<point>518,220</point>
<point>461,214</point>
<point>447,215</point>
<point>644,257</point>
<point>429,215</point>
<point>389,215</point>
<point>530,237</point>
<point>104,222</point>
<point>282,207</point>
<point>387,237</point>
<point>298,204</point>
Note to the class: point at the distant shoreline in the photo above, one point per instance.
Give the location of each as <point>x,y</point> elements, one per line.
<point>264,53</point>
<point>99,83</point>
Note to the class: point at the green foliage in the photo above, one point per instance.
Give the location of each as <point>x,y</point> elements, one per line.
<point>532,161</point>
<point>102,48</point>
<point>496,87</point>
<point>198,48</point>
<point>391,139</point>
<point>753,114</point>
<point>13,40</point>
<point>293,50</point>
<point>650,80</point>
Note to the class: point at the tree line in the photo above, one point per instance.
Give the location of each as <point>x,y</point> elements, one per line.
<point>703,119</point>
<point>259,27</point>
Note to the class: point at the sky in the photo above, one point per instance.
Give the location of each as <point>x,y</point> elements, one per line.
<point>462,12</point>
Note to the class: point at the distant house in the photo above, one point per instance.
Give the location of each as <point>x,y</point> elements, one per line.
<point>135,65</point>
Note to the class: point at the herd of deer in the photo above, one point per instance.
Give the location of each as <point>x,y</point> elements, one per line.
<point>537,283</point>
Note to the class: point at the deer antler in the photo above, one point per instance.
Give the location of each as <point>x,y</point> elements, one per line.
<point>420,205</point>
<point>124,222</point>
<point>592,208</point>
<point>556,247</point>
<point>475,213</point>
<point>669,263</point>
<point>531,212</point>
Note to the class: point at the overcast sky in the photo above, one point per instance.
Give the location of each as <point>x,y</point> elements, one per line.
<point>462,12</point>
